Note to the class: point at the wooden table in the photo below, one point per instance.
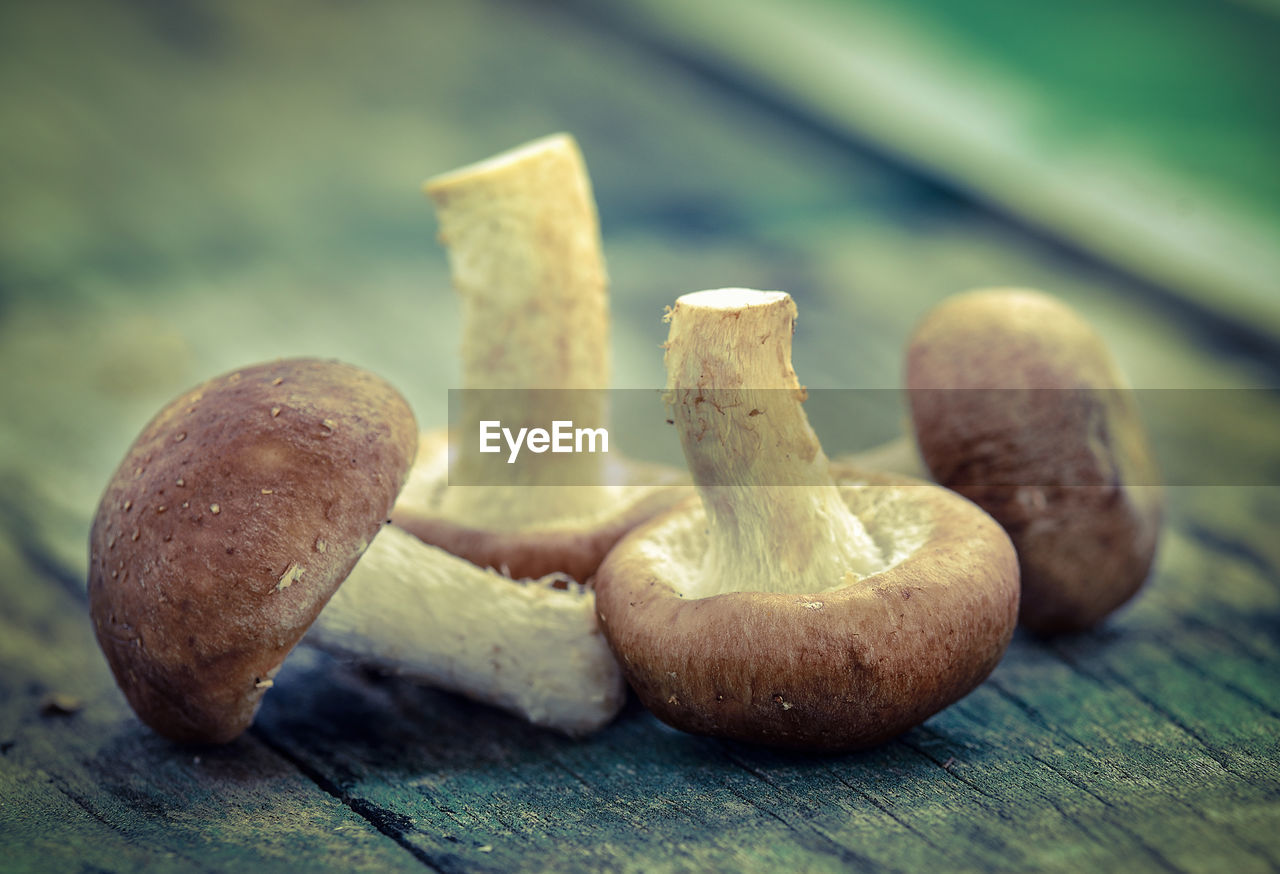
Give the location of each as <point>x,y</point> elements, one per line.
<point>192,188</point>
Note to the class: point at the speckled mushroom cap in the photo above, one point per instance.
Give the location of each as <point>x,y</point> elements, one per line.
<point>839,669</point>
<point>1018,406</point>
<point>233,518</point>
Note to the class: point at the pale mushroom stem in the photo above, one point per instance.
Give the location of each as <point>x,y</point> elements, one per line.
<point>777,521</point>
<point>524,249</point>
<point>424,614</point>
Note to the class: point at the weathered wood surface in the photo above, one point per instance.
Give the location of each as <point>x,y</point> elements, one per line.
<point>191,188</point>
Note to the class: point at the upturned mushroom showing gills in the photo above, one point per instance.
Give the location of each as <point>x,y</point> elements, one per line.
<point>789,607</point>
<point>240,509</point>
<point>524,250</point>
<point>1017,404</point>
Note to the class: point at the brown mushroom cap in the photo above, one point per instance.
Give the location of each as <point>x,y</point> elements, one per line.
<point>233,518</point>
<point>832,670</point>
<point>1017,405</point>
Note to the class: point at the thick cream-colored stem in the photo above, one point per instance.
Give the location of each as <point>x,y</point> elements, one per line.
<point>524,249</point>
<point>777,521</point>
<point>429,616</point>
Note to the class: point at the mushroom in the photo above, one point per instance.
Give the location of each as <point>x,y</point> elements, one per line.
<point>1018,406</point>
<point>789,607</point>
<point>524,249</point>
<point>240,509</point>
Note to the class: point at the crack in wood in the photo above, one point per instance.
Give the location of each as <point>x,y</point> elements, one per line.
<point>831,846</point>
<point>582,781</point>
<point>1087,751</point>
<point>1068,818</point>
<point>1034,715</point>
<point>1233,641</point>
<point>83,803</point>
<point>887,811</point>
<point>1118,680</point>
<point>1233,547</point>
<point>389,823</point>
<point>997,807</point>
<point>1223,682</point>
<point>1160,859</point>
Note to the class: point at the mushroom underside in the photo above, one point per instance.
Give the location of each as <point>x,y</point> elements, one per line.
<point>824,667</point>
<point>573,543</point>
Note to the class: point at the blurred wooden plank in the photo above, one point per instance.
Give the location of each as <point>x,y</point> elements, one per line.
<point>1144,134</point>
